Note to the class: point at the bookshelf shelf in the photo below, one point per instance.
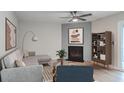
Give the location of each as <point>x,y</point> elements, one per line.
<point>101,48</point>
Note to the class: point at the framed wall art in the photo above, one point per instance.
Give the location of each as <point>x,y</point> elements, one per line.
<point>76,36</point>
<point>10,34</point>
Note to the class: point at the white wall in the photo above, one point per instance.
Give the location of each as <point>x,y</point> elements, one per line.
<point>110,23</point>
<point>49,37</point>
<point>11,16</point>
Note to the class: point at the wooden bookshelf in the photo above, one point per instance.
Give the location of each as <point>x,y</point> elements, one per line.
<point>101,48</point>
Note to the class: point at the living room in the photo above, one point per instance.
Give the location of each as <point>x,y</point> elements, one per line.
<point>37,61</point>
<point>52,33</point>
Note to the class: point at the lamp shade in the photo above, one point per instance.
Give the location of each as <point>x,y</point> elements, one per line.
<point>34,38</point>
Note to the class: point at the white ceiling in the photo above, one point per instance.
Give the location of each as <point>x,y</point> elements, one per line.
<point>54,16</point>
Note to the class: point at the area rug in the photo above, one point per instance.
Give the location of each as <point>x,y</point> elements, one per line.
<point>101,74</point>
<point>47,75</point>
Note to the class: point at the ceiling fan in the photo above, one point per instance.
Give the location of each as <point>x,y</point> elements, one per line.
<point>74,17</point>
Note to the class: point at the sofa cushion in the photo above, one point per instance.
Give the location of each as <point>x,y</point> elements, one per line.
<point>19,54</point>
<point>30,61</point>
<point>23,74</point>
<point>36,60</point>
<point>20,63</point>
<point>43,58</point>
<point>9,60</point>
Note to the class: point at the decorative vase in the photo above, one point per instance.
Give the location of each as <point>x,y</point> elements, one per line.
<point>61,61</point>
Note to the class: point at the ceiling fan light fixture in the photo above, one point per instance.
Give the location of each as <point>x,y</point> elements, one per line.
<point>75,20</point>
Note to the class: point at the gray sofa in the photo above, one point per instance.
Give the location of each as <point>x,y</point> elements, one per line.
<point>23,74</point>
<point>32,72</point>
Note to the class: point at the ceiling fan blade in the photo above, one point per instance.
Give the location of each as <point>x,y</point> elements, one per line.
<point>72,13</point>
<point>65,17</point>
<point>75,12</point>
<point>82,19</point>
<point>85,15</point>
<point>70,20</point>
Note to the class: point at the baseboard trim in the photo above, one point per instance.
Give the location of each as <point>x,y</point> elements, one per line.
<point>116,68</point>
<point>112,67</point>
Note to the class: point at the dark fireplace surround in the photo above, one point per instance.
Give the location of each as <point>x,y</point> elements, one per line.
<point>75,53</point>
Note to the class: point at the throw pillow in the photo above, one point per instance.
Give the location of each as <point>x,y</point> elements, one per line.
<point>19,63</point>
<point>9,60</point>
<point>25,54</point>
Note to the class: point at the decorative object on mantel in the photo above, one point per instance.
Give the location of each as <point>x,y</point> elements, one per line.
<point>61,53</point>
<point>75,36</point>
<point>10,31</point>
<point>34,38</point>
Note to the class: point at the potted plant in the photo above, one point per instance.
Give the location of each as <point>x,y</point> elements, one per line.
<point>61,53</point>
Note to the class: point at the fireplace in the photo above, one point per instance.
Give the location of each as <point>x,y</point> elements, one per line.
<point>75,53</point>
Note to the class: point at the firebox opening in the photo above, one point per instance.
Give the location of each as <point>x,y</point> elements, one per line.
<point>75,53</point>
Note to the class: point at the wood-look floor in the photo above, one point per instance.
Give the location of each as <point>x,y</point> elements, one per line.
<point>100,74</point>
<point>105,75</point>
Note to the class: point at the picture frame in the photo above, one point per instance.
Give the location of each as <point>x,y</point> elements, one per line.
<point>10,35</point>
<point>76,35</point>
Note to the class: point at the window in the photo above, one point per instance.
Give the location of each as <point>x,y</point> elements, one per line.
<point>122,48</point>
